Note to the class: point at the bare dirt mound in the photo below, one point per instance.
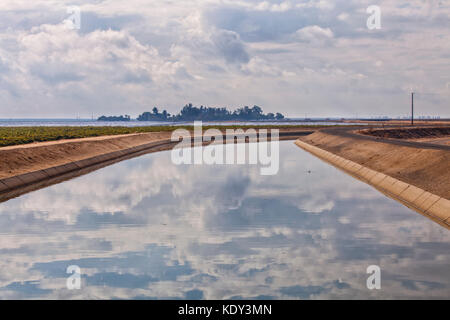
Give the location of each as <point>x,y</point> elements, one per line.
<point>408,133</point>
<point>22,159</point>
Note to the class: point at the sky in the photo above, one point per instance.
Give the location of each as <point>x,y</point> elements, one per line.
<point>314,58</point>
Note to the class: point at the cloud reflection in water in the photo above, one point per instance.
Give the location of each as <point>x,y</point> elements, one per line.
<point>145,228</point>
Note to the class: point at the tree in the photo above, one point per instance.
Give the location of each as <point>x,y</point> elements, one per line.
<point>191,113</point>
<point>257,110</point>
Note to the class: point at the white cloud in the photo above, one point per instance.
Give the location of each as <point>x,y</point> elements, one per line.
<point>260,67</point>
<point>343,16</point>
<point>132,55</point>
<point>268,6</point>
<point>314,34</point>
<point>320,4</point>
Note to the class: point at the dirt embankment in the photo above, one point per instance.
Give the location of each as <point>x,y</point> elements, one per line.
<point>426,168</point>
<point>22,159</point>
<point>422,122</point>
<point>409,133</point>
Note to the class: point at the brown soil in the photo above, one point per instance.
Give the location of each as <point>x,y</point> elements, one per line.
<point>445,141</point>
<point>21,159</point>
<point>426,168</point>
<point>401,122</point>
<point>409,133</point>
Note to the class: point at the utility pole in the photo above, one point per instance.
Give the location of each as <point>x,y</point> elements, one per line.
<point>412,108</point>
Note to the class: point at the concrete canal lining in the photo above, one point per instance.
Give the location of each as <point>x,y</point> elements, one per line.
<point>435,207</point>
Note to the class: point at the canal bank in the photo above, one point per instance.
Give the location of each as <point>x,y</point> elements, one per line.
<point>25,168</point>
<point>361,158</point>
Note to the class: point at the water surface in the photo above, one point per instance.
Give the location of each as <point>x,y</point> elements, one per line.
<point>145,228</point>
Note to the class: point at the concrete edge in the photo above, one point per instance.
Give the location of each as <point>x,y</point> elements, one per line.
<point>426,203</point>
<point>28,178</point>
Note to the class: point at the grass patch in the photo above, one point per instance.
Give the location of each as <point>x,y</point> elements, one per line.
<point>21,135</point>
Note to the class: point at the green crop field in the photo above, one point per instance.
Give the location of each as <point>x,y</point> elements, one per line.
<point>21,135</point>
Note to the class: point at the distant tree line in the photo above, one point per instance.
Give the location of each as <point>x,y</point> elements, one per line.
<point>191,113</point>
<point>115,118</point>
